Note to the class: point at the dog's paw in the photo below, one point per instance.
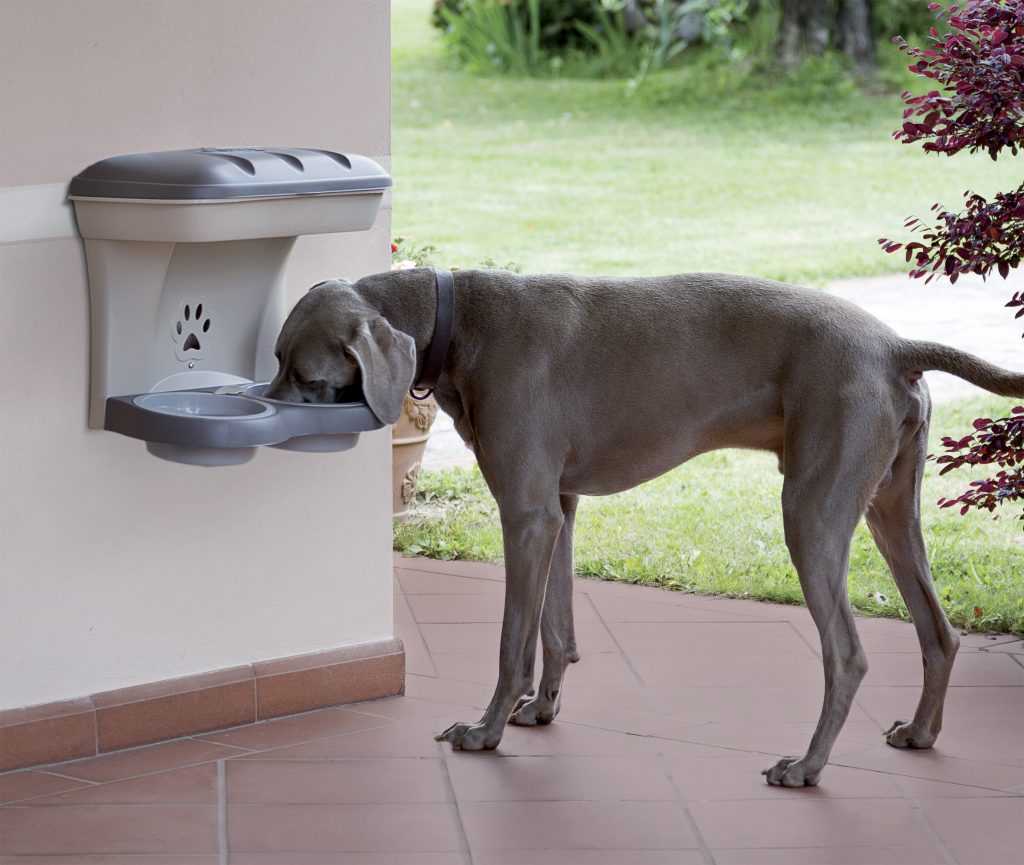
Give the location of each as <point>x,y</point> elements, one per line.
<point>468,737</point>
<point>903,734</point>
<point>533,711</point>
<point>791,772</point>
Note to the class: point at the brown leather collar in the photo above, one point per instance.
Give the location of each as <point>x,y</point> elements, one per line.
<point>444,319</point>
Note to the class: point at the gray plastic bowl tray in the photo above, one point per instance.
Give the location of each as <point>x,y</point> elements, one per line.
<point>201,427</point>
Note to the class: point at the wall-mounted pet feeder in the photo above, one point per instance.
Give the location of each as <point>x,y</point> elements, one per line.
<point>187,252</point>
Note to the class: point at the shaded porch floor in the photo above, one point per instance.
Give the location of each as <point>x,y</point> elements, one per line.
<point>677,705</point>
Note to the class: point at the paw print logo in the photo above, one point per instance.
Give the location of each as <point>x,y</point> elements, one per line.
<point>189,331</point>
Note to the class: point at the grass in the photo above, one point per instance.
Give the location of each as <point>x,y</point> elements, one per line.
<point>564,174</point>
<point>703,167</point>
<point>714,526</point>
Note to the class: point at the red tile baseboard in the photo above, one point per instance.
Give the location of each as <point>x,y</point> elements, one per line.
<point>200,703</point>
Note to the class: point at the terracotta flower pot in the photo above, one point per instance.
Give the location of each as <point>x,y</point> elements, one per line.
<point>408,441</point>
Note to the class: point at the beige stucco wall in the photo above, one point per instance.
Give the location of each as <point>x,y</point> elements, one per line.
<point>117,568</point>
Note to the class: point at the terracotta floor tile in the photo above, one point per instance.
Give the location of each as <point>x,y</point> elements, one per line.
<point>971,669</point>
<point>690,705</point>
<point>193,785</point>
<point>568,739</point>
<point>902,641</point>
<point>982,739</point>
<point>619,717</point>
<point>558,778</point>
<point>117,859</point>
<point>772,739</point>
<point>612,608</point>
<point>16,786</point>
<point>347,828</point>
<point>290,782</point>
<point>1010,646</point>
<point>728,671</point>
<point>635,592</point>
<point>469,637</point>
<point>738,776</point>
<point>417,658</point>
<point>762,610</point>
<point>575,825</point>
<point>962,822</point>
<point>588,857</point>
<point>475,570</point>
<point>405,739</point>
<point>727,686</point>
<point>984,854</point>
<point>293,729</point>
<point>147,759</point>
<point>401,708</point>
<point>868,625</point>
<point>420,857</point>
<point>802,822</point>
<point>457,608</point>
<point>915,788</point>
<point>483,637</point>
<point>596,668</point>
<point>479,607</point>
<point>933,765</point>
<point>831,856</point>
<point>82,829</point>
<point>694,640</point>
<point>444,690</point>
<point>889,703</point>
<point>415,582</point>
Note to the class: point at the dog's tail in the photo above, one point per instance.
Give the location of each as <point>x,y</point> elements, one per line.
<point>917,356</point>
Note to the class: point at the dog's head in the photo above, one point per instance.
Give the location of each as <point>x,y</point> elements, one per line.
<point>332,341</point>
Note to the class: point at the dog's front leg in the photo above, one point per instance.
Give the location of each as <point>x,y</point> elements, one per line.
<point>529,539</point>
<point>558,634</point>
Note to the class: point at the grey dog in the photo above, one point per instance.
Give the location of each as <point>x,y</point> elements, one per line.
<point>566,386</point>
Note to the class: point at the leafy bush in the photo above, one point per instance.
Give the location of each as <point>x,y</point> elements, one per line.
<point>557,18</point>
<point>597,37</point>
<point>998,442</point>
<point>521,37</point>
<point>979,63</point>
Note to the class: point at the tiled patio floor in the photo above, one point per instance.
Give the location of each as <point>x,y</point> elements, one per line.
<point>677,705</point>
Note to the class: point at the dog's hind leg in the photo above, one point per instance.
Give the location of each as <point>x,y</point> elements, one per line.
<point>895,522</point>
<point>530,529</point>
<point>557,632</point>
<point>829,480</point>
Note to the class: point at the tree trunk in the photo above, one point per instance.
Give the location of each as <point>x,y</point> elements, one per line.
<point>804,30</point>
<point>855,34</point>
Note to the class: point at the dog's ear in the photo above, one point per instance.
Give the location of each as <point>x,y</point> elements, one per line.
<point>387,362</point>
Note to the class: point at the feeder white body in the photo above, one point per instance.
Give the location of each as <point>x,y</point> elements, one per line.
<point>187,254</point>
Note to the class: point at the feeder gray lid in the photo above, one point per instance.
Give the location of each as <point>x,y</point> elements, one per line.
<point>224,173</point>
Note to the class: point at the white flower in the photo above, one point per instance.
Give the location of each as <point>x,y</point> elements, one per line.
<point>405,264</point>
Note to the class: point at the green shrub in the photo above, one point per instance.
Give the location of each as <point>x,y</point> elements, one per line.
<point>629,38</point>
<point>585,37</point>
<point>557,18</point>
<point>520,37</point>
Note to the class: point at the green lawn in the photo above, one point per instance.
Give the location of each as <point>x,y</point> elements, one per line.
<point>576,175</point>
<point>685,174</point>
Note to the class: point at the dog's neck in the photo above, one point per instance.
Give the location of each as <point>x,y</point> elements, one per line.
<point>408,300</point>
